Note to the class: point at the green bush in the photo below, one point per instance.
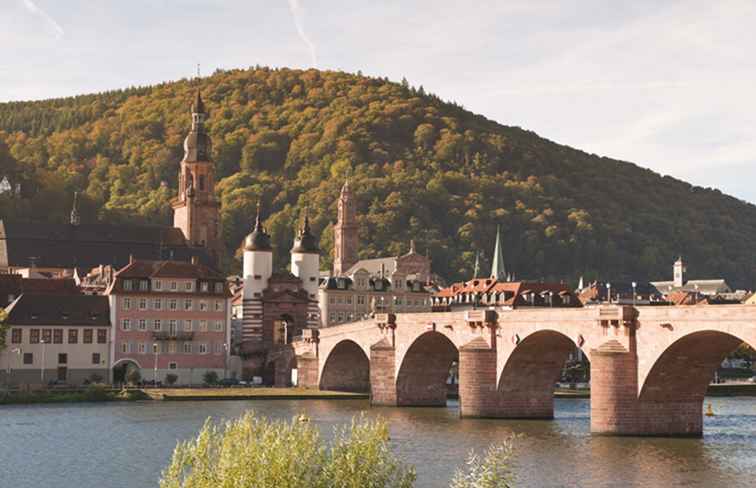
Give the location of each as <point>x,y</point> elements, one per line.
<point>171,379</point>
<point>97,393</point>
<point>254,452</point>
<point>210,378</point>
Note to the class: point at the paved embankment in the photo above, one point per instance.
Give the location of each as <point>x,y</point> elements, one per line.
<point>186,394</point>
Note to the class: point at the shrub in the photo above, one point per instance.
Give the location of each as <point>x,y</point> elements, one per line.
<point>171,379</point>
<point>210,378</point>
<point>492,471</point>
<point>275,454</point>
<point>95,378</point>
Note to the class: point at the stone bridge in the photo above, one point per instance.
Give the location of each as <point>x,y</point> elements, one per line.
<point>650,366</point>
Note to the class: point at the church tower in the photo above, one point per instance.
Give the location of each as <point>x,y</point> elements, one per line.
<point>257,269</point>
<point>345,233</point>
<point>679,273</point>
<point>195,210</point>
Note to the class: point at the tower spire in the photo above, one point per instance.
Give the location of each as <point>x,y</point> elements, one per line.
<point>498,272</point>
<point>476,269</point>
<point>75,217</point>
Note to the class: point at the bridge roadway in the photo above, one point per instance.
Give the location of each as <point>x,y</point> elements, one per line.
<point>650,366</point>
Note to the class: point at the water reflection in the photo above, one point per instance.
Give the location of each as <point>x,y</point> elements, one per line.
<point>126,445</point>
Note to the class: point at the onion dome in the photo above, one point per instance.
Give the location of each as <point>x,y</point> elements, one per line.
<point>306,243</point>
<point>258,240</point>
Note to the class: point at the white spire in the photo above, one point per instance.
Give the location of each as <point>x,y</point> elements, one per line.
<point>497,267</point>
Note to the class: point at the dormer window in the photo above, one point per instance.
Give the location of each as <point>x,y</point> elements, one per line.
<point>127,285</point>
<point>205,286</point>
<point>158,285</point>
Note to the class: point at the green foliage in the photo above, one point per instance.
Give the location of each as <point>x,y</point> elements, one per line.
<point>95,378</point>
<point>210,378</point>
<point>133,376</point>
<point>273,454</point>
<point>493,470</point>
<point>421,168</point>
<point>3,329</point>
<point>171,379</point>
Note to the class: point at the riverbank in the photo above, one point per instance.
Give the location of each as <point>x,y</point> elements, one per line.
<point>92,394</point>
<point>187,394</point>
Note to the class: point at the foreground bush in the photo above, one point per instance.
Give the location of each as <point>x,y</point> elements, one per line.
<point>256,453</point>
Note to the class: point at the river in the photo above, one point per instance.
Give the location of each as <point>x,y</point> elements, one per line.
<point>125,445</point>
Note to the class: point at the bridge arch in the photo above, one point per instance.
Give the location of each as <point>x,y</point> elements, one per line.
<point>424,369</point>
<point>347,368</point>
<point>527,380</point>
<point>672,393</point>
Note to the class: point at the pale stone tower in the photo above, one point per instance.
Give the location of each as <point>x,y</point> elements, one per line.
<point>195,210</point>
<point>257,269</point>
<point>305,265</point>
<point>497,267</point>
<point>75,217</point>
<point>345,233</point>
<point>679,273</point>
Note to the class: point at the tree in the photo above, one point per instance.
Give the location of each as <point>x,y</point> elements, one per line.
<point>133,376</point>
<point>210,378</point>
<point>171,379</point>
<point>3,329</point>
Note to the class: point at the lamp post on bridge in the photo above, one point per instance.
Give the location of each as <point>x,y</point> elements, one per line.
<point>155,350</point>
<point>635,285</point>
<point>609,292</point>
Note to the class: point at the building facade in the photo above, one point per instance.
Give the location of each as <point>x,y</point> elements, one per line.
<point>170,317</point>
<point>56,338</point>
<point>680,283</point>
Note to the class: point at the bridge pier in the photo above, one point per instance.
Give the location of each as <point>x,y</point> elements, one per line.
<point>477,380</point>
<point>614,391</point>
<point>382,374</point>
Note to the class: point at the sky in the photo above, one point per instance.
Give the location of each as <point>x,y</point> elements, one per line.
<point>668,85</point>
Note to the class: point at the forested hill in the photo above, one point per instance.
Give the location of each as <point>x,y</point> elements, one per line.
<point>422,169</point>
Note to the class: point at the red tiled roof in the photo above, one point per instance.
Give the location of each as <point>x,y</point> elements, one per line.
<point>167,269</point>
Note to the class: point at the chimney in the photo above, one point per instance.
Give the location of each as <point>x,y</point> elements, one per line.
<point>195,260</point>
<point>131,259</point>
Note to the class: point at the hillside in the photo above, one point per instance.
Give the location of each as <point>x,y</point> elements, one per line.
<point>422,168</point>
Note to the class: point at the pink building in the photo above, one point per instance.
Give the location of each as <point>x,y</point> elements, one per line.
<point>169,317</point>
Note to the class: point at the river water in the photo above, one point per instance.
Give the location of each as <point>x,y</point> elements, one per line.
<point>125,445</point>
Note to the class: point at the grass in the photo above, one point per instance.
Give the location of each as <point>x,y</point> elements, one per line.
<point>260,393</point>
<point>90,394</point>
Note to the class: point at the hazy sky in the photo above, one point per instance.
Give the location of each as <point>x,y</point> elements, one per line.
<point>667,85</point>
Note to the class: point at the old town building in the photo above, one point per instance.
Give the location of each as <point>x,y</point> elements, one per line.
<point>77,244</point>
<point>169,317</point>
<point>13,285</point>
<point>56,338</point>
<point>708,287</point>
<point>622,292</point>
<point>276,307</point>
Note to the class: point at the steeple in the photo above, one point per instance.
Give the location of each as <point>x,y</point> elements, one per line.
<point>197,145</point>
<point>305,243</point>
<point>75,218</point>
<point>497,267</point>
<point>345,231</point>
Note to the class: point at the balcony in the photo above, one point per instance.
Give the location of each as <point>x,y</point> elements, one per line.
<point>173,336</point>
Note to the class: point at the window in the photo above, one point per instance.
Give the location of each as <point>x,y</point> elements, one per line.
<point>174,286</point>
<point>203,306</point>
<point>141,348</point>
<point>47,335</point>
<point>172,347</point>
<point>124,348</point>
<point>188,304</point>
<point>188,286</point>
<point>203,348</point>
<point>57,336</point>
<point>102,336</point>
<point>127,285</point>
<point>341,316</point>
<point>95,358</point>
<point>218,306</point>
<point>16,336</point>
<point>126,324</point>
<point>62,358</point>
<point>127,303</point>
<point>218,348</point>
<point>156,325</point>
<point>205,286</point>
<point>203,325</point>
<point>219,287</point>
<point>361,300</point>
<point>73,336</point>
<point>218,325</point>
<point>187,347</point>
<point>142,324</point>
<point>158,285</point>
<point>28,358</point>
<point>34,336</point>
<point>144,285</point>
<point>142,304</point>
<point>172,304</point>
<point>87,336</point>
<point>187,325</point>
<point>332,300</point>
<point>349,299</point>
<point>172,366</point>
<point>157,304</point>
<point>154,349</point>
